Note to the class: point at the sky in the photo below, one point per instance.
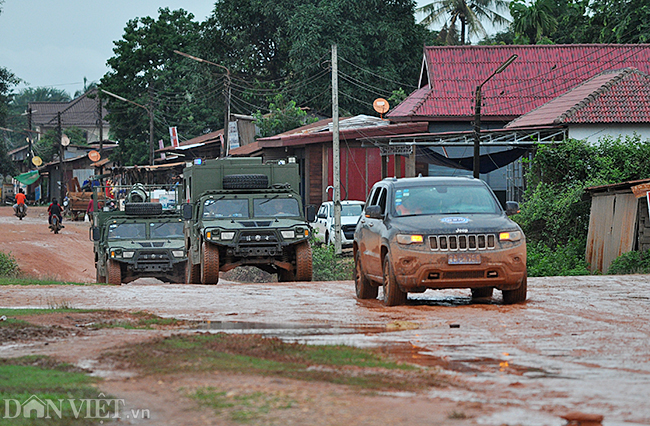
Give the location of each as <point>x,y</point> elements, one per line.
<point>58,43</point>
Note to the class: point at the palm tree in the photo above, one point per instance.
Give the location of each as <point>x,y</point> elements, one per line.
<point>466,13</point>
<point>533,21</point>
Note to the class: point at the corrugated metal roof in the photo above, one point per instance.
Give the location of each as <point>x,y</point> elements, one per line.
<point>81,112</point>
<point>621,96</point>
<point>540,74</point>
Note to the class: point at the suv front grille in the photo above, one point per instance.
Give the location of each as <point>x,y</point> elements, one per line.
<point>348,231</point>
<point>462,242</point>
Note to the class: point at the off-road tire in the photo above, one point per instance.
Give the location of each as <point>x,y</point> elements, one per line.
<point>518,295</point>
<point>393,295</point>
<point>250,181</point>
<point>304,265</point>
<point>209,264</point>
<point>192,272</point>
<point>100,279</point>
<point>285,276</point>
<point>113,272</point>
<point>143,209</point>
<point>482,292</point>
<point>362,285</point>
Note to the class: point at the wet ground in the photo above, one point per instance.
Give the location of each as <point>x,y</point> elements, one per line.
<point>577,344</point>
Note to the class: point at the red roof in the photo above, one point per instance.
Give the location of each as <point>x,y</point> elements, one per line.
<point>540,74</point>
<point>621,96</point>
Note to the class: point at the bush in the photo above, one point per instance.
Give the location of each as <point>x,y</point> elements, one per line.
<point>330,267</point>
<point>8,265</point>
<point>632,262</point>
<point>564,260</point>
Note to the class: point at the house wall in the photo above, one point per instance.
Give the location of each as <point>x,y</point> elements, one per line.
<point>360,169</point>
<point>592,133</point>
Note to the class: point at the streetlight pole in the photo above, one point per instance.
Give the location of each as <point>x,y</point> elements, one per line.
<point>477,115</point>
<point>149,112</point>
<point>226,148</point>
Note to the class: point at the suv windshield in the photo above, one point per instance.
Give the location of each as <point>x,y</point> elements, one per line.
<point>225,208</point>
<point>166,230</point>
<point>265,207</point>
<point>351,210</point>
<point>444,199</point>
<point>127,231</point>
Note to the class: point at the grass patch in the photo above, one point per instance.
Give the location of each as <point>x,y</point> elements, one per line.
<point>22,312</point>
<point>21,280</point>
<point>242,407</point>
<point>142,321</point>
<point>46,379</point>
<point>328,266</point>
<point>254,354</point>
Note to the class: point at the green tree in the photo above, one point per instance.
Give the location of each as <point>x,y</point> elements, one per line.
<point>620,21</point>
<point>534,21</point>
<point>468,15</point>
<point>284,116</point>
<point>145,70</point>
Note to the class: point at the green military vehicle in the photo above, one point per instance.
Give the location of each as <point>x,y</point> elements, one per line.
<point>138,232</point>
<point>241,212</point>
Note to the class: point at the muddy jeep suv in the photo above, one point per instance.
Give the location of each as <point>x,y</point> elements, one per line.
<point>436,233</point>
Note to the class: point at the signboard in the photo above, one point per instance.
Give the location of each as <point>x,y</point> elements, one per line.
<point>173,134</point>
<point>233,135</point>
<point>37,193</point>
<point>161,144</point>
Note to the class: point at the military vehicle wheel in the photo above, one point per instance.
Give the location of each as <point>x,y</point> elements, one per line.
<point>304,266</point>
<point>362,285</point>
<point>143,209</point>
<point>114,273</point>
<point>192,273</point>
<point>209,264</point>
<point>482,292</point>
<point>393,295</point>
<point>517,295</point>
<point>100,279</point>
<point>252,181</point>
<point>285,276</point>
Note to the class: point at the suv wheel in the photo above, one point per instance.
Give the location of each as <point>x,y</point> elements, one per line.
<point>114,273</point>
<point>304,265</point>
<point>210,264</point>
<point>192,272</point>
<point>250,181</point>
<point>517,295</point>
<point>362,285</point>
<point>393,295</point>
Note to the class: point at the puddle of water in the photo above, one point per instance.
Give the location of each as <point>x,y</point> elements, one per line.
<point>520,416</point>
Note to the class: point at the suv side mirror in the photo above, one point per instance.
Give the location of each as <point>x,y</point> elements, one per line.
<point>373,212</point>
<point>311,213</point>
<point>187,211</point>
<point>512,207</point>
<point>95,233</point>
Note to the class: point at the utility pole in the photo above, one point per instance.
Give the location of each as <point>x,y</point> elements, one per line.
<point>59,134</point>
<point>30,154</point>
<point>336,154</point>
<point>100,123</point>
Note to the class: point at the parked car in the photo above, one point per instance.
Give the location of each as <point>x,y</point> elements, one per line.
<point>436,233</point>
<point>351,211</point>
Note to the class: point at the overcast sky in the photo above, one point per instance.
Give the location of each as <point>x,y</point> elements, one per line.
<point>58,43</point>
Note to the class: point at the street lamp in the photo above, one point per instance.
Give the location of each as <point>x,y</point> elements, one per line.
<point>225,149</point>
<point>149,112</point>
<point>477,115</point>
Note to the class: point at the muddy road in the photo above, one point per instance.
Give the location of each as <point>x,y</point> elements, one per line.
<point>577,344</point>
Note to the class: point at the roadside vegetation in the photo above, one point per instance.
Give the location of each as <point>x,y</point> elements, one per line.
<point>330,267</point>
<point>8,265</point>
<point>555,213</point>
<point>367,369</point>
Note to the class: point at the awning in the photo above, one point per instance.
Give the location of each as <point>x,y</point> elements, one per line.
<point>488,162</point>
<point>28,178</point>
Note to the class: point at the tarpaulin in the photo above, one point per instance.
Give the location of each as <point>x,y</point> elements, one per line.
<point>28,178</point>
<point>489,162</point>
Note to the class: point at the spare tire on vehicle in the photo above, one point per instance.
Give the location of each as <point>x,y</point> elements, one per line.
<point>250,181</point>
<point>143,209</point>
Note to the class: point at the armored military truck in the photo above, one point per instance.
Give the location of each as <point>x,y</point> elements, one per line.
<point>239,211</point>
<point>138,232</point>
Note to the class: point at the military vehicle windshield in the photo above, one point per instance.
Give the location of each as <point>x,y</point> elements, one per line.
<point>266,207</point>
<point>221,208</point>
<point>127,231</point>
<point>444,199</point>
<point>166,230</point>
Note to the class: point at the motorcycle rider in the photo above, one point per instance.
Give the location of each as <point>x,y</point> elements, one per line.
<point>54,210</point>
<point>20,200</point>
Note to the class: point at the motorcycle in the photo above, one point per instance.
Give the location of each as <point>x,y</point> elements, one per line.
<point>21,211</point>
<point>55,224</point>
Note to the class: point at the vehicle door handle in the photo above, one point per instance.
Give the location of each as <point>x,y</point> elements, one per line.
<point>371,224</point>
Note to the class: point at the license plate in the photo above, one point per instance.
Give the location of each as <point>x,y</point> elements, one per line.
<point>464,259</point>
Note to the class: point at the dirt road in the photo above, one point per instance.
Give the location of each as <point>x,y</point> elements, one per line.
<point>578,344</point>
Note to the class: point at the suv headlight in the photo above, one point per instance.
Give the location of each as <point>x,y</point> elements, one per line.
<point>288,234</point>
<point>409,239</point>
<point>228,235</point>
<point>178,253</point>
<point>510,236</point>
<point>127,254</point>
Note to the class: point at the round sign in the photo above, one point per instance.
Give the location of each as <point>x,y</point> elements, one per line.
<point>37,161</point>
<point>94,155</point>
<point>381,105</point>
<point>65,140</point>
